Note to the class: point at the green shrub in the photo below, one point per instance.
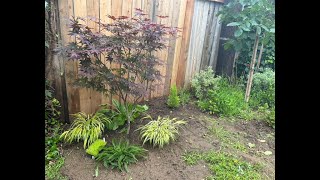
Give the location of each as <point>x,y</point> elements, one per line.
<point>227,100</point>
<point>263,88</point>
<point>96,147</point>
<point>173,99</point>
<point>86,127</point>
<point>184,96</point>
<point>119,115</point>
<point>203,82</point>
<point>52,125</point>
<point>161,131</point>
<point>267,114</point>
<point>120,154</point>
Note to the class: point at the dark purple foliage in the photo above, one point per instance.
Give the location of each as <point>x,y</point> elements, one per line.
<point>123,60</point>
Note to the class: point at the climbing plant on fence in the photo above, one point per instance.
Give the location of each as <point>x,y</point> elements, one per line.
<point>254,22</point>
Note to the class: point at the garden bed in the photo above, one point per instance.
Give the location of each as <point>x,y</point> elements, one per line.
<point>200,134</point>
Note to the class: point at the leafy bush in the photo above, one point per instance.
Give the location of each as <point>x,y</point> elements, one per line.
<point>263,88</point>
<point>96,147</point>
<point>161,131</point>
<point>120,154</point>
<point>184,96</point>
<point>52,125</point>
<point>121,112</point>
<point>203,82</point>
<point>227,100</point>
<point>268,114</point>
<point>52,112</point>
<point>173,99</point>
<point>86,127</point>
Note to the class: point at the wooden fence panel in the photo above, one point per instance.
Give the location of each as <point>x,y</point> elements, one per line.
<point>199,33</point>
<point>204,38</point>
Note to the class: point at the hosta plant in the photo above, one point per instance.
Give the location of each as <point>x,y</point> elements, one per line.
<point>161,131</point>
<point>96,147</point>
<point>86,127</point>
<point>121,112</point>
<point>120,154</point>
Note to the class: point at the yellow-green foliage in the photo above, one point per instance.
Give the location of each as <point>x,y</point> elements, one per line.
<point>160,131</point>
<point>86,127</point>
<point>96,147</point>
<point>173,99</point>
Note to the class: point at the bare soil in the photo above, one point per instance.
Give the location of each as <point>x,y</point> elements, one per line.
<point>166,163</point>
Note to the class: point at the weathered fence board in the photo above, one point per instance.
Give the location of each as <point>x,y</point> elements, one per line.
<point>204,38</point>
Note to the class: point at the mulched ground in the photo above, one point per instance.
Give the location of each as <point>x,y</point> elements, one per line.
<point>166,163</point>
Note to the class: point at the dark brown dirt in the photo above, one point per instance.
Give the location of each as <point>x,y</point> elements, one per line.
<point>166,163</point>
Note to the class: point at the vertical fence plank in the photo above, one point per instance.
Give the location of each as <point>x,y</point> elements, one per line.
<point>185,43</point>
<point>181,17</point>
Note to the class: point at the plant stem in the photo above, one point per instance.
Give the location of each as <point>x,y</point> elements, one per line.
<point>260,55</point>
<point>249,82</point>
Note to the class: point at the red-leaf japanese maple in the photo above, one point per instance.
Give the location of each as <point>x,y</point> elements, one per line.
<point>129,65</point>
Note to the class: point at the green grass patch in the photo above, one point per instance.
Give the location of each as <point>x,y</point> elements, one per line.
<point>52,170</point>
<point>224,166</point>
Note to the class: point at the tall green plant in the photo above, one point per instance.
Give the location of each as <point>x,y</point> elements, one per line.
<point>173,99</point>
<point>86,127</point>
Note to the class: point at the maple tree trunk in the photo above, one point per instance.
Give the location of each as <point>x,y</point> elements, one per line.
<point>253,60</point>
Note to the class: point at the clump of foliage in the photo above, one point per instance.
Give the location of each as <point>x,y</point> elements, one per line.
<point>52,170</point>
<point>120,154</point>
<point>191,158</point>
<point>86,127</point>
<point>52,124</point>
<point>119,58</point>
<point>267,114</point>
<point>263,88</point>
<point>53,158</point>
<point>227,99</point>
<point>96,147</point>
<point>224,166</point>
<point>118,116</point>
<point>173,99</point>
<point>161,131</point>
<point>203,82</point>
<point>184,96</point>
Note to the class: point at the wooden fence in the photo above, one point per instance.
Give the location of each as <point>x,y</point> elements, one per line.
<point>196,48</point>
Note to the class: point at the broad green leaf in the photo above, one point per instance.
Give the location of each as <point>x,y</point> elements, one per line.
<point>233,24</point>
<point>267,153</point>
<point>259,30</point>
<point>248,24</point>
<point>272,30</point>
<point>238,32</point>
<point>245,28</point>
<point>251,145</point>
